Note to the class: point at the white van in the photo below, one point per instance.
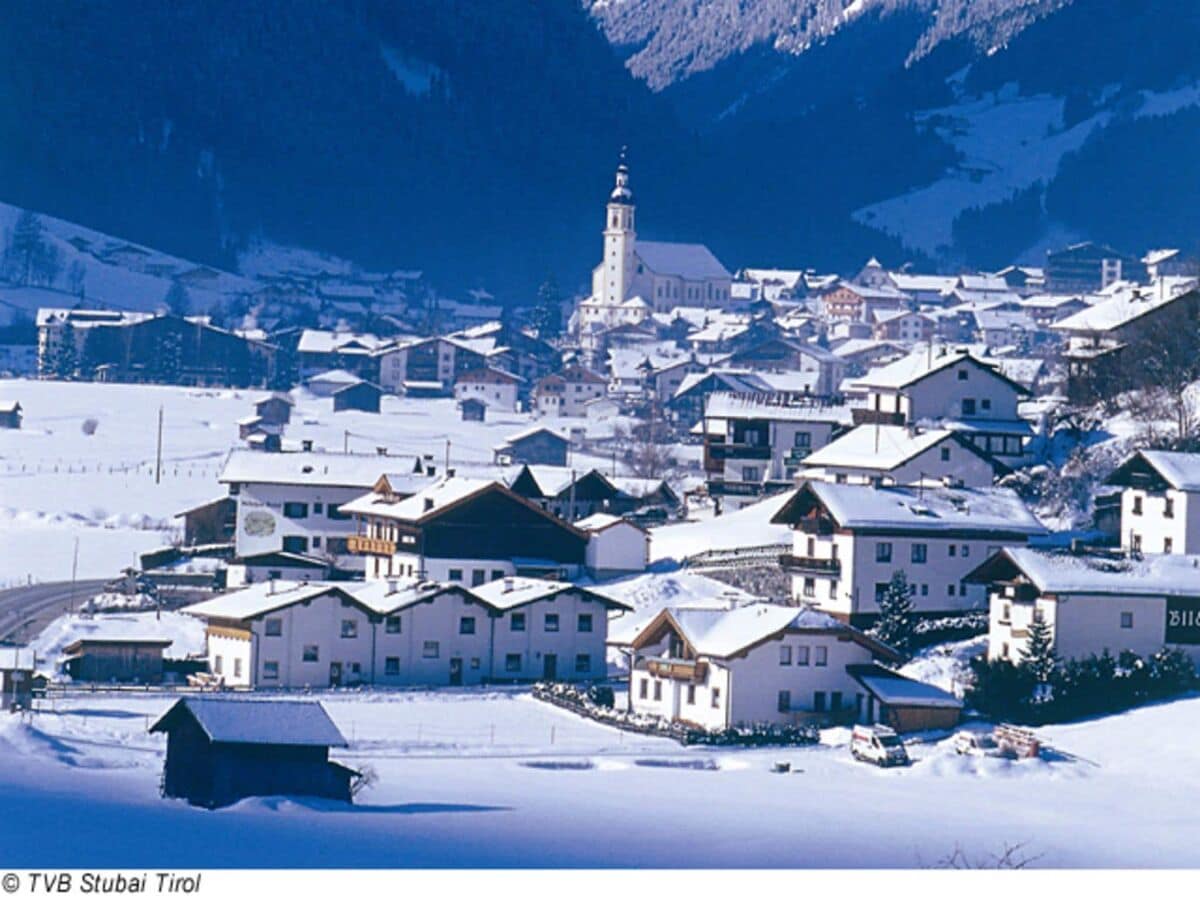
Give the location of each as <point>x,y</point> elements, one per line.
<point>878,744</point>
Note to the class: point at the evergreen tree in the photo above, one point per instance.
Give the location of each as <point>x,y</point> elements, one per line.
<point>29,258</point>
<point>65,362</point>
<point>177,300</point>
<point>547,314</point>
<point>896,627</point>
<point>1038,654</point>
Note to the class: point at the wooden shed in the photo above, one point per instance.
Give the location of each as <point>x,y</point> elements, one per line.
<point>473,409</point>
<point>134,660</point>
<point>221,750</point>
<point>363,397</point>
<point>903,704</point>
<point>16,677</point>
<point>10,414</point>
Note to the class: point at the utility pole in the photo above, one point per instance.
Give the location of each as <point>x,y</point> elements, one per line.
<point>446,469</point>
<point>345,441</point>
<point>74,572</point>
<point>158,454</point>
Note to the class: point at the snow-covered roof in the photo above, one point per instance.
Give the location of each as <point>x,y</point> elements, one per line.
<point>256,599</point>
<point>877,447</point>
<point>919,510</point>
<point>1116,311</point>
<point>246,721</point>
<point>916,367</point>
<point>787,277</point>
<point>1157,575</point>
<point>600,521</point>
<point>1180,470</point>
<point>726,405</point>
<point>426,502</point>
<point>528,433</point>
<point>985,283</point>
<point>911,282</point>
<point>335,376</point>
<point>690,261</point>
<point>509,593</point>
<point>388,596</point>
<point>309,468</point>
<point>894,689</point>
<point>314,341</point>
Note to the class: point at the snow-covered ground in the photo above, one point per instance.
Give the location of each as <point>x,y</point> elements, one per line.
<point>747,527</point>
<point>59,483</point>
<point>494,778</point>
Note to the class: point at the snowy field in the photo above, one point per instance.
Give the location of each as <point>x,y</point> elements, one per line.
<point>58,482</point>
<point>497,779</point>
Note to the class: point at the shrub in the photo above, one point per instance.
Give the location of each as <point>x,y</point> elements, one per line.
<point>89,426</point>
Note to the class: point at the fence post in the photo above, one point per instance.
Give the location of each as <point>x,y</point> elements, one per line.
<point>552,735</point>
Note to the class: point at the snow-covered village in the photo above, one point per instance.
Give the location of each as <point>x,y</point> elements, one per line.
<point>764,562</point>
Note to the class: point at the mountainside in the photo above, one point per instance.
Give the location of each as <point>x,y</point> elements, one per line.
<point>476,140</point>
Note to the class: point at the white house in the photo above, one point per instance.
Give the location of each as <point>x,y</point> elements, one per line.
<point>954,389</point>
<point>615,546</point>
<point>1160,503</point>
<point>850,539</point>
<point>1092,603</point>
<point>495,387</point>
<point>405,632</point>
<point>290,501</point>
<point>901,454</point>
<point>760,663</point>
<point>567,393</point>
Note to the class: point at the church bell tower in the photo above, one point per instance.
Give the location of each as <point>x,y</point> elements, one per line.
<point>619,239</point>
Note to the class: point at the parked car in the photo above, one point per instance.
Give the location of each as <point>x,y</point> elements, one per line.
<point>976,743</point>
<point>878,744</point>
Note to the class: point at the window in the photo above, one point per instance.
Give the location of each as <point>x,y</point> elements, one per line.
<point>643,686</point>
<point>431,650</point>
<point>691,695</point>
<point>391,665</point>
<point>749,473</point>
<point>274,627</point>
<point>332,512</point>
<point>949,590</point>
<point>217,664</point>
<point>1169,507</point>
<point>1135,543</point>
<point>497,574</point>
<point>963,374</point>
<point>968,406</point>
<point>945,452</point>
<point>517,622</point>
<point>953,549</point>
<point>657,690</point>
<point>583,662</point>
<point>883,552</point>
<point>295,544</point>
<point>295,510</point>
<point>821,656</point>
<point>785,701</point>
<point>1137,505</point>
<point>803,440</point>
<point>393,625</point>
<point>237,667</point>
<point>466,625</point>
<point>478,576</point>
<point>1038,615</point>
<point>881,588</point>
<point>966,550</point>
<point>919,553</point>
<point>985,403</point>
<point>474,662</point>
<point>270,670</point>
<point>552,621</point>
<point>785,655</point>
<point>512,663</point>
<point>802,656</point>
<point>924,590</point>
<point>585,622</point>
<point>810,587</point>
<point>1126,620</point>
<point>318,508</point>
<point>819,701</point>
<point>833,588</point>
<point>455,575</point>
<point>716,698</point>
<point>311,653</point>
<point>1168,545</point>
<point>1006,614</point>
<point>349,628</point>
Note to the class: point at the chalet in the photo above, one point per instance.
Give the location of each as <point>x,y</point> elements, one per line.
<point>903,455</point>
<point>859,302</point>
<point>567,392</point>
<point>281,564</point>
<point>361,397</point>
<point>1160,502</point>
<point>17,666</point>
<point>116,659</point>
<point>1088,267</point>
<point>903,325</point>
<point>615,547</point>
<point>568,494</point>
<point>955,390</point>
<point>1046,309</point>
<point>538,445</point>
<point>926,290</point>
<point>849,540</point>
<point>520,351</point>
<point>221,750</point>
<point>1024,280</point>
<point>464,531</point>
<point>761,663</point>
<point>786,355</point>
<point>212,522</point>
<point>431,364</point>
<point>495,387</point>
<point>325,351</point>
<point>275,409</point>
<point>10,414</point>
<point>473,409</point>
<point>289,501</point>
<point>755,443</point>
<point>1092,602</point>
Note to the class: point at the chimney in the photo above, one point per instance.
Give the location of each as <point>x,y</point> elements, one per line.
<point>271,588</point>
<point>508,584</point>
<point>392,585</point>
<point>306,445</point>
<point>450,473</point>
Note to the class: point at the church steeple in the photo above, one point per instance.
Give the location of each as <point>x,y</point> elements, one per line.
<point>619,238</point>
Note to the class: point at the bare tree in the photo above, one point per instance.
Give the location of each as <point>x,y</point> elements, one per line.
<point>1011,856</point>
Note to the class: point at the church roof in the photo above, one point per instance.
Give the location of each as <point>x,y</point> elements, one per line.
<point>691,261</point>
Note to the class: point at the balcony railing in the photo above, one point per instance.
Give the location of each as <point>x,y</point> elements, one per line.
<point>734,489</point>
<point>810,564</point>
<point>371,546</point>
<point>738,451</point>
<point>679,669</point>
<point>876,417</point>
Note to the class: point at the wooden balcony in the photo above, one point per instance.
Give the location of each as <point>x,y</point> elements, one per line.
<point>810,565</point>
<point>370,546</point>
<point>678,669</point>
<point>876,417</point>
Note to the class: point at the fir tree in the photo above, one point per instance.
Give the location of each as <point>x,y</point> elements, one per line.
<point>65,362</point>
<point>1038,654</point>
<point>177,300</point>
<point>896,627</point>
<point>29,258</point>
<point>547,314</point>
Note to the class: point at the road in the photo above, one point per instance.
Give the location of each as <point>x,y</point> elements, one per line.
<point>25,611</point>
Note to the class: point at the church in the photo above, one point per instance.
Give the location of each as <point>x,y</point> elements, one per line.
<point>638,278</point>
